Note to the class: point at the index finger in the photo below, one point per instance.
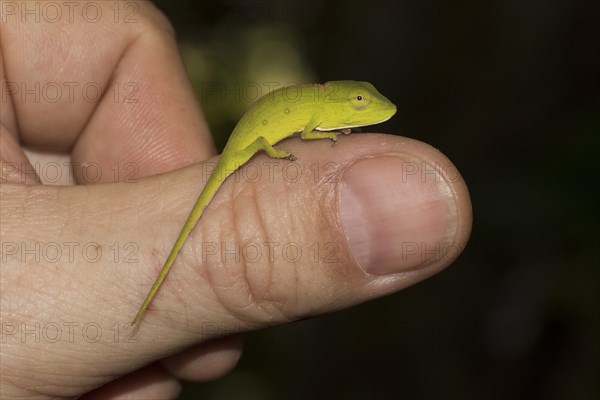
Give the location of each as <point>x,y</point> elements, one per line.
<point>103,80</point>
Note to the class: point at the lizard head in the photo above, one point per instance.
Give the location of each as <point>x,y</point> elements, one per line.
<point>349,104</point>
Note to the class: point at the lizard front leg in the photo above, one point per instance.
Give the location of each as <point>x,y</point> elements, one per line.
<point>260,143</point>
<point>310,133</point>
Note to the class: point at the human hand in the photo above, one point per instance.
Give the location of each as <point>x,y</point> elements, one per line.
<point>367,218</point>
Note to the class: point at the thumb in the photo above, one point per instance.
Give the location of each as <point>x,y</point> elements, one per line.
<point>280,241</point>
<point>284,240</point>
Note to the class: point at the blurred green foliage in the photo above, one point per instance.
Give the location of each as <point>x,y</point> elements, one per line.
<point>237,65</point>
<point>510,91</point>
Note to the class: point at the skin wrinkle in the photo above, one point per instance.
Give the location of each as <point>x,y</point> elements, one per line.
<point>114,71</point>
<point>279,305</point>
<point>49,376</point>
<point>298,283</point>
<point>262,227</point>
<point>242,269</point>
<point>233,213</point>
<point>293,228</point>
<point>7,377</point>
<point>14,210</point>
<point>210,267</point>
<point>205,268</point>
<point>11,115</point>
<point>314,197</point>
<point>77,209</point>
<point>259,223</point>
<point>42,58</point>
<point>157,254</point>
<point>31,390</point>
<point>68,219</point>
<point>326,197</point>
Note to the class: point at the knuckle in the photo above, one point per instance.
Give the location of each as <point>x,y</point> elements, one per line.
<point>155,19</point>
<point>151,20</point>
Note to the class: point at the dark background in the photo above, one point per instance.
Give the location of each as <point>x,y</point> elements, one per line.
<point>510,92</point>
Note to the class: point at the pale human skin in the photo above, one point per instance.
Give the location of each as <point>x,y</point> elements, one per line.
<point>374,193</point>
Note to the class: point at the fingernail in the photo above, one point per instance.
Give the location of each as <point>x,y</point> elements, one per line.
<point>398,213</point>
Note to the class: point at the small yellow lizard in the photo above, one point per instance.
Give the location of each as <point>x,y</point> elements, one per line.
<point>317,111</point>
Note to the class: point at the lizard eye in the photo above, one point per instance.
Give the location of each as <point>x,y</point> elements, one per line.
<point>359,99</point>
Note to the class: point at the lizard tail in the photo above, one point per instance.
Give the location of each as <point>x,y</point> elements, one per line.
<point>219,175</point>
